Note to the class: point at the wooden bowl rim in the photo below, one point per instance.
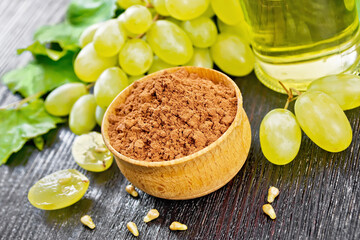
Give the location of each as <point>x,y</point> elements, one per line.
<point>238,117</point>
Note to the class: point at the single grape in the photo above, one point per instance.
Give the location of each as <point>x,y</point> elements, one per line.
<point>136,57</point>
<point>232,55</point>
<point>135,78</point>
<point>137,19</point>
<point>124,4</point>
<point>90,152</point>
<point>108,39</point>
<point>99,114</point>
<point>229,12</point>
<point>158,65</point>
<point>82,116</point>
<point>241,30</point>
<point>58,190</point>
<point>344,88</point>
<point>87,35</point>
<point>201,58</point>
<point>121,20</point>
<point>209,13</point>
<point>170,43</point>
<point>323,121</point>
<point>89,65</point>
<point>186,10</point>
<point>60,101</point>
<point>202,31</point>
<point>280,136</point>
<point>110,83</point>
<point>160,7</point>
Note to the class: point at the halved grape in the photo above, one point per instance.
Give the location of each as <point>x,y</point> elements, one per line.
<point>201,58</point>
<point>110,83</point>
<point>89,65</point>
<point>202,31</point>
<point>60,101</point>
<point>136,57</point>
<point>58,190</point>
<point>344,88</point>
<point>88,34</point>
<point>82,116</point>
<point>137,19</point>
<point>229,12</point>
<point>323,121</point>
<point>232,55</point>
<point>158,65</point>
<point>108,39</point>
<point>170,43</point>
<point>90,152</point>
<point>160,7</point>
<point>99,114</point>
<point>280,136</point>
<point>186,10</point>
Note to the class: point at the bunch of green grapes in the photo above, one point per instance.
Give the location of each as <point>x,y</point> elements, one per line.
<point>147,37</point>
<point>319,112</point>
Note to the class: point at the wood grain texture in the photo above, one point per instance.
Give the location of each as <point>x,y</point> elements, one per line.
<point>319,198</point>
<point>197,174</point>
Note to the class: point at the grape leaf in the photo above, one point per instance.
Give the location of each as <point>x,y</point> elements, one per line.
<point>40,49</point>
<point>18,125</point>
<point>80,14</point>
<point>41,75</point>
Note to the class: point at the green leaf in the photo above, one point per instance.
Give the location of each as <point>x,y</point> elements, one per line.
<point>17,126</point>
<point>39,142</point>
<point>80,15</point>
<point>39,49</point>
<point>88,12</point>
<point>41,75</point>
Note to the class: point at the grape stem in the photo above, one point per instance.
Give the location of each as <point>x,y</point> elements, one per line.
<point>148,4</point>
<point>90,86</point>
<point>23,101</point>
<point>290,94</point>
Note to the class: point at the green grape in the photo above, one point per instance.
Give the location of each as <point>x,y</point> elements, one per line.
<point>82,116</point>
<point>280,136</point>
<point>232,55</point>
<point>241,30</point>
<point>136,57</point>
<point>87,35</point>
<point>186,10</point>
<point>135,78</point>
<point>108,39</point>
<point>201,58</point>
<point>170,43</point>
<point>228,11</point>
<point>344,88</point>
<point>323,121</point>
<point>99,114</point>
<point>122,28</point>
<point>202,31</point>
<point>158,65</point>
<point>90,153</point>
<point>58,190</point>
<point>209,13</point>
<point>110,83</point>
<point>124,4</point>
<point>160,7</point>
<point>89,65</point>
<point>60,101</point>
<point>137,19</point>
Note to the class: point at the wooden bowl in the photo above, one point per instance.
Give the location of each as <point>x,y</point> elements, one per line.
<point>195,175</point>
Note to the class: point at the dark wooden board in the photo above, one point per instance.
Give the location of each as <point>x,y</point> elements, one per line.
<point>320,191</point>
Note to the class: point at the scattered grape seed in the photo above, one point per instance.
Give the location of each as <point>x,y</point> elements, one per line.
<point>131,226</point>
<point>272,194</point>
<point>131,190</point>
<point>269,210</point>
<point>87,221</point>
<point>152,214</point>
<point>176,226</point>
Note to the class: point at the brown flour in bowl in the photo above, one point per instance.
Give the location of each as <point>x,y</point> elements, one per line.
<point>171,116</point>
